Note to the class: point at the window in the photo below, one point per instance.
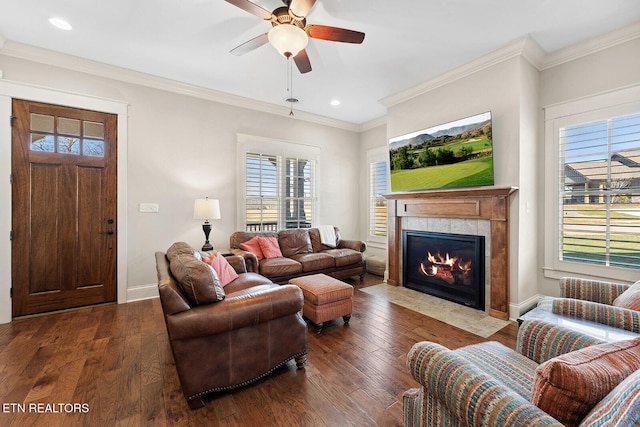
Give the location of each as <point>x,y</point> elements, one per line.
<point>279,187</point>
<point>262,206</point>
<point>377,161</point>
<point>53,134</point>
<point>592,212</point>
<point>377,203</point>
<point>298,193</point>
<point>600,195</point>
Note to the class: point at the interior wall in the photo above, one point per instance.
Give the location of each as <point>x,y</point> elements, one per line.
<point>603,71</point>
<point>529,162</point>
<point>370,139</point>
<point>181,148</point>
<point>498,89</point>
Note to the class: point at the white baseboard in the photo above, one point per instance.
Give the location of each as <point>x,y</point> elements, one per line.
<point>516,310</point>
<point>142,292</point>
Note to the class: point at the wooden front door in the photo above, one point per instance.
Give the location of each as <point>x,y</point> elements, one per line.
<point>64,226</point>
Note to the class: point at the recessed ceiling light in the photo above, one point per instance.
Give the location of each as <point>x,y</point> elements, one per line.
<point>60,23</point>
<point>335,102</point>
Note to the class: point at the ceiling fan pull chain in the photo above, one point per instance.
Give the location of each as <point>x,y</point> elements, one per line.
<point>290,87</point>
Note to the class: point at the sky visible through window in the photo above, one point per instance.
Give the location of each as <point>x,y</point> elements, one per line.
<point>589,141</point>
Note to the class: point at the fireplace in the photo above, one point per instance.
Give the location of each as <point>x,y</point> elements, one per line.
<point>445,265</point>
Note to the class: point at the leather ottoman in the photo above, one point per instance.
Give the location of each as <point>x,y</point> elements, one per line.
<point>325,298</point>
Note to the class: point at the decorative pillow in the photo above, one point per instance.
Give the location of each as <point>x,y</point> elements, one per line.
<point>199,281</point>
<point>567,387</point>
<point>253,246</point>
<point>630,298</point>
<point>226,273</point>
<point>295,241</point>
<point>179,248</point>
<point>270,247</point>
<point>621,407</point>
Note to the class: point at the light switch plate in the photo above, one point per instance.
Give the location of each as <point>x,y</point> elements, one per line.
<point>149,207</point>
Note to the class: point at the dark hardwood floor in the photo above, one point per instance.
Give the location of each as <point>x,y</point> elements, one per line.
<point>115,364</point>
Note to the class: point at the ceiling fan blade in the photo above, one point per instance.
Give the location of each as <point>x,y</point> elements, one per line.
<point>300,8</point>
<point>248,46</point>
<point>334,34</point>
<point>252,8</point>
<point>302,61</point>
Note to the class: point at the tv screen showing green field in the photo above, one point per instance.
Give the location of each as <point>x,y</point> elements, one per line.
<point>454,154</point>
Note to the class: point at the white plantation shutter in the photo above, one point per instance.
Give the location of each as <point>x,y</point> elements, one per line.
<point>298,193</point>
<point>377,203</point>
<point>279,193</point>
<point>262,196</point>
<point>600,192</point>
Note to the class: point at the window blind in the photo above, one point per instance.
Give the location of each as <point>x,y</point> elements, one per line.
<point>600,192</point>
<point>262,195</point>
<point>298,191</point>
<point>279,192</point>
<point>377,203</point>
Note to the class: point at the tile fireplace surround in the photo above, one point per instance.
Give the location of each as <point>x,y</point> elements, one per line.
<point>487,205</point>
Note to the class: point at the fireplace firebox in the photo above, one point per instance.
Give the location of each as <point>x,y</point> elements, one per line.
<point>445,265</point>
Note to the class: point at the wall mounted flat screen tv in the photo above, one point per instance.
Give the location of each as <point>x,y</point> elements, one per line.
<point>454,154</point>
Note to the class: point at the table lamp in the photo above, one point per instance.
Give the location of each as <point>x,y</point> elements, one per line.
<point>206,209</point>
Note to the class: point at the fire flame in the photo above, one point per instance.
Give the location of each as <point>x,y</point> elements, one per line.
<point>445,267</point>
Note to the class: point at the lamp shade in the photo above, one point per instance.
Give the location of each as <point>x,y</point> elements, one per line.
<point>288,39</point>
<point>206,209</point>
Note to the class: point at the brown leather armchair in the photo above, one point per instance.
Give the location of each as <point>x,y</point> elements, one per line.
<point>255,329</point>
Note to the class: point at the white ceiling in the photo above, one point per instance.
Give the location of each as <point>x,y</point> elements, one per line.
<point>407,42</point>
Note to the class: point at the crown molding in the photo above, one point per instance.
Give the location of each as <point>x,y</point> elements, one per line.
<point>372,124</point>
<point>594,45</point>
<point>74,63</point>
<point>525,47</point>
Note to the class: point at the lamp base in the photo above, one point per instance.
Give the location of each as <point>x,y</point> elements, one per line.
<point>207,229</point>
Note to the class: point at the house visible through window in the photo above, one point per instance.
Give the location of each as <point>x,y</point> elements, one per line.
<point>279,192</point>
<point>599,219</point>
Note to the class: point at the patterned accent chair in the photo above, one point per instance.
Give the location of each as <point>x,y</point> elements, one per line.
<point>608,303</point>
<point>488,384</point>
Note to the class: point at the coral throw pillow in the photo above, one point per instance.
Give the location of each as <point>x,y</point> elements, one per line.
<point>226,273</point>
<point>270,247</point>
<point>253,246</point>
<point>567,387</point>
<point>630,298</point>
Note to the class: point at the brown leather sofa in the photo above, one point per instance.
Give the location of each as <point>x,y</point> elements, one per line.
<point>222,345</point>
<point>303,254</point>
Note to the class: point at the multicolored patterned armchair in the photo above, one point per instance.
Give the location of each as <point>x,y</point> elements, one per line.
<point>607,303</point>
<point>488,384</point>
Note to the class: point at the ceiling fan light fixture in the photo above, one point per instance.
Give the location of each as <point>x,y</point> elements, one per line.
<point>288,39</point>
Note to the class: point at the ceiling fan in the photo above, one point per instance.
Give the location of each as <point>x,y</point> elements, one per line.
<point>290,33</point>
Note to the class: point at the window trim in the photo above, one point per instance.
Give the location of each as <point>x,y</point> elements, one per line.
<point>282,149</point>
<point>583,110</point>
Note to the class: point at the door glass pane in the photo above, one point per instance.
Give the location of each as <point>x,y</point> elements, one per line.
<point>68,145</point>
<point>93,147</point>
<point>69,126</point>
<point>40,142</point>
<point>41,123</point>
<point>94,130</point>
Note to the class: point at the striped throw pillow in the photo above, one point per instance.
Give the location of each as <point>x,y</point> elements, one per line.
<point>567,387</point>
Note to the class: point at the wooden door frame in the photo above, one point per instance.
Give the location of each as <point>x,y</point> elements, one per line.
<point>9,90</point>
